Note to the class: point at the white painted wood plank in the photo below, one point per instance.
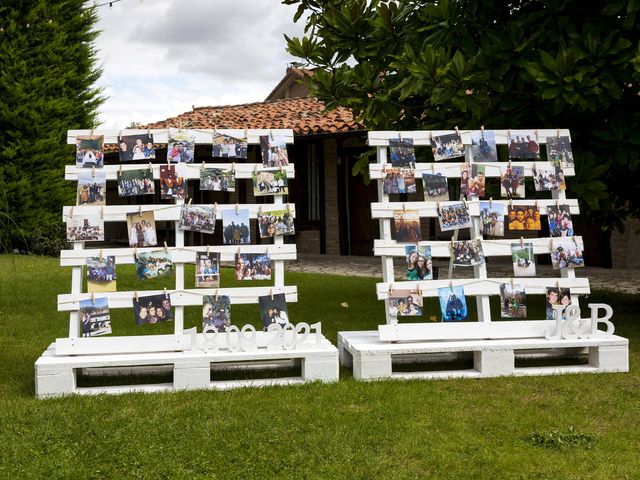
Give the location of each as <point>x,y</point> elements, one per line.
<point>203,136</point>
<point>452,170</point>
<point>491,286</point>
<point>422,137</point>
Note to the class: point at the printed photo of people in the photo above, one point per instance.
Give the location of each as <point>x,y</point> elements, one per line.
<point>405,303</point>
<point>89,151</point>
<point>225,146</point>
<point>217,180</point>
<point>524,261</point>
<point>207,270</point>
<point>216,312</point>
<point>483,146</point>
<point>181,145</point>
<point>526,217</point>
<point>523,144</point>
<point>436,188</point>
<point>419,262</point>
<point>512,182</point>
<point>559,150</point>
<point>560,223</point>
<point>567,253</point>
<point>253,266</point>
<point>94,317</point>
<point>402,152</point>
<point>492,219</point>
<point>407,226</point>
<point>235,227</point>
<point>273,309</point>
<point>467,253</point>
<point>547,177</point>
<point>472,181</point>
<point>453,304</point>
<point>136,147</point>
<point>270,182</point>
<point>556,296</point>
<point>142,229</point>
<point>197,218</point>
<point>274,151</point>
<point>101,274</point>
<point>153,264</point>
<point>275,222</point>
<point>399,180</point>
<point>447,146</point>
<point>454,216</point>
<point>172,183</point>
<point>92,186</point>
<point>513,301</point>
<point>85,228</point>
<point>136,182</point>
<point>152,309</point>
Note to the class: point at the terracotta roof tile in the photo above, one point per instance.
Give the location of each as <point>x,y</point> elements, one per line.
<point>303,114</point>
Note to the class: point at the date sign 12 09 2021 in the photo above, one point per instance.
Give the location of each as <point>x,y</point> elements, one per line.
<point>569,325</point>
<point>247,339</point>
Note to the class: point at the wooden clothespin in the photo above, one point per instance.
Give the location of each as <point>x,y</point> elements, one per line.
<point>150,167</point>
<point>217,294</point>
<point>238,252</point>
<point>260,210</point>
<point>71,212</point>
<point>166,294</point>
<point>101,257</point>
<point>482,128</point>
<point>536,132</point>
<point>120,170</point>
<point>490,202</point>
<point>166,248</point>
<point>208,249</point>
<point>513,287</point>
<point>404,207</point>
<point>148,132</point>
<point>391,289</point>
<point>93,171</point>
<point>120,136</point>
<point>509,134</point>
<point>521,242</point>
<point>558,133</point>
<point>452,242</point>
<point>433,168</point>
<point>190,200</point>
<point>91,134</point>
<point>135,251</point>
<point>558,285</point>
<point>237,206</point>
<point>271,293</point>
<point>135,295</point>
<point>215,208</point>
<point>93,298</point>
<point>451,284</point>
<point>102,213</point>
<point>139,209</point>
<point>233,168</point>
<point>288,208</point>
<point>202,167</point>
<point>575,241</point>
<point>457,131</point>
<point>255,169</point>
<point>511,203</point>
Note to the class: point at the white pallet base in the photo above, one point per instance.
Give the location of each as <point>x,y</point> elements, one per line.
<point>372,359</point>
<point>56,374</point>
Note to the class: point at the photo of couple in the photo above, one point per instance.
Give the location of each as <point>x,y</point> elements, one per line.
<point>152,309</point>
<point>225,146</point>
<point>523,144</point>
<point>181,146</point>
<point>136,182</point>
<point>419,262</point>
<point>556,296</point>
<point>405,303</point>
<point>136,147</point>
<point>92,186</point>
<point>492,219</point>
<point>512,182</point>
<point>94,317</point>
<point>472,181</point>
<point>513,300</point>
<point>274,151</point>
<point>216,312</point>
<point>273,309</point>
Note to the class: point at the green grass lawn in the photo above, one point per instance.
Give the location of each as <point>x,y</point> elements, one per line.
<point>561,427</point>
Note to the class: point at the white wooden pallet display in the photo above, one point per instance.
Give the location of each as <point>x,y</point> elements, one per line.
<point>493,344</point>
<point>57,368</point>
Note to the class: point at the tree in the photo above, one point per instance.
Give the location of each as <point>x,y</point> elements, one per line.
<point>47,77</point>
<point>412,64</point>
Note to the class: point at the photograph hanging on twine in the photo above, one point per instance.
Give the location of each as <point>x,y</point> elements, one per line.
<point>136,147</point>
<point>405,303</point>
<point>216,312</point>
<point>101,274</point>
<point>399,180</point>
<point>274,151</point>
<point>492,218</point>
<point>523,144</point>
<point>94,317</point>
<point>472,180</point>
<point>207,270</point>
<point>467,253</point>
<point>524,217</point>
<point>152,309</point>
<point>273,223</point>
<point>419,262</point>
<point>235,226</point>
<point>556,296</point>
<point>523,259</point>
<point>270,182</point>
<point>560,223</point>
<point>512,182</point>
<point>453,216</point>
<point>402,152</point>
<point>142,229</point>
<point>85,228</point>
<point>548,177</point>
<point>453,304</point>
<point>567,253</point>
<point>172,182</point>
<point>217,180</point>
<point>273,309</point>
<point>559,150</point>
<point>89,151</point>
<point>226,146</point>
<point>253,266</point>
<point>483,146</point>
<point>512,300</point>
<point>446,146</point>
<point>181,145</point>
<point>435,186</point>
<point>92,186</point>
<point>153,264</point>
<point>197,218</point>
<point>136,182</point>
<point>407,226</point>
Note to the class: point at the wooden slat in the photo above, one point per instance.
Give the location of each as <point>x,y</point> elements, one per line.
<point>202,136</point>
<point>453,170</point>
<point>423,137</point>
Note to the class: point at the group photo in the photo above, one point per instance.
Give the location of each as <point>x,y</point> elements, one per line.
<point>152,309</point>
<point>567,253</point>
<point>512,300</point>
<point>559,150</point>
<point>523,144</point>
<point>454,216</point>
<point>419,262</point>
<point>217,180</point>
<point>447,146</point>
<point>101,274</point>
<point>153,264</point>
<point>436,187</point>
<point>275,222</point>
<point>172,184</point>
<point>399,180</point>
<point>95,319</point>
<point>197,218</point>
<point>492,219</point>
<point>407,226</point>
<point>92,188</point>
<point>274,151</point>
<point>136,182</point>
<point>136,147</point>
<point>85,228</point>
<point>216,312</point>
<point>467,253</point>
<point>560,224</point>
<point>472,180</point>
<point>270,182</point>
<point>526,217</point>
<point>402,152</point>
<point>548,177</point>
<point>253,266</point>
<point>89,151</point>
<point>226,146</point>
